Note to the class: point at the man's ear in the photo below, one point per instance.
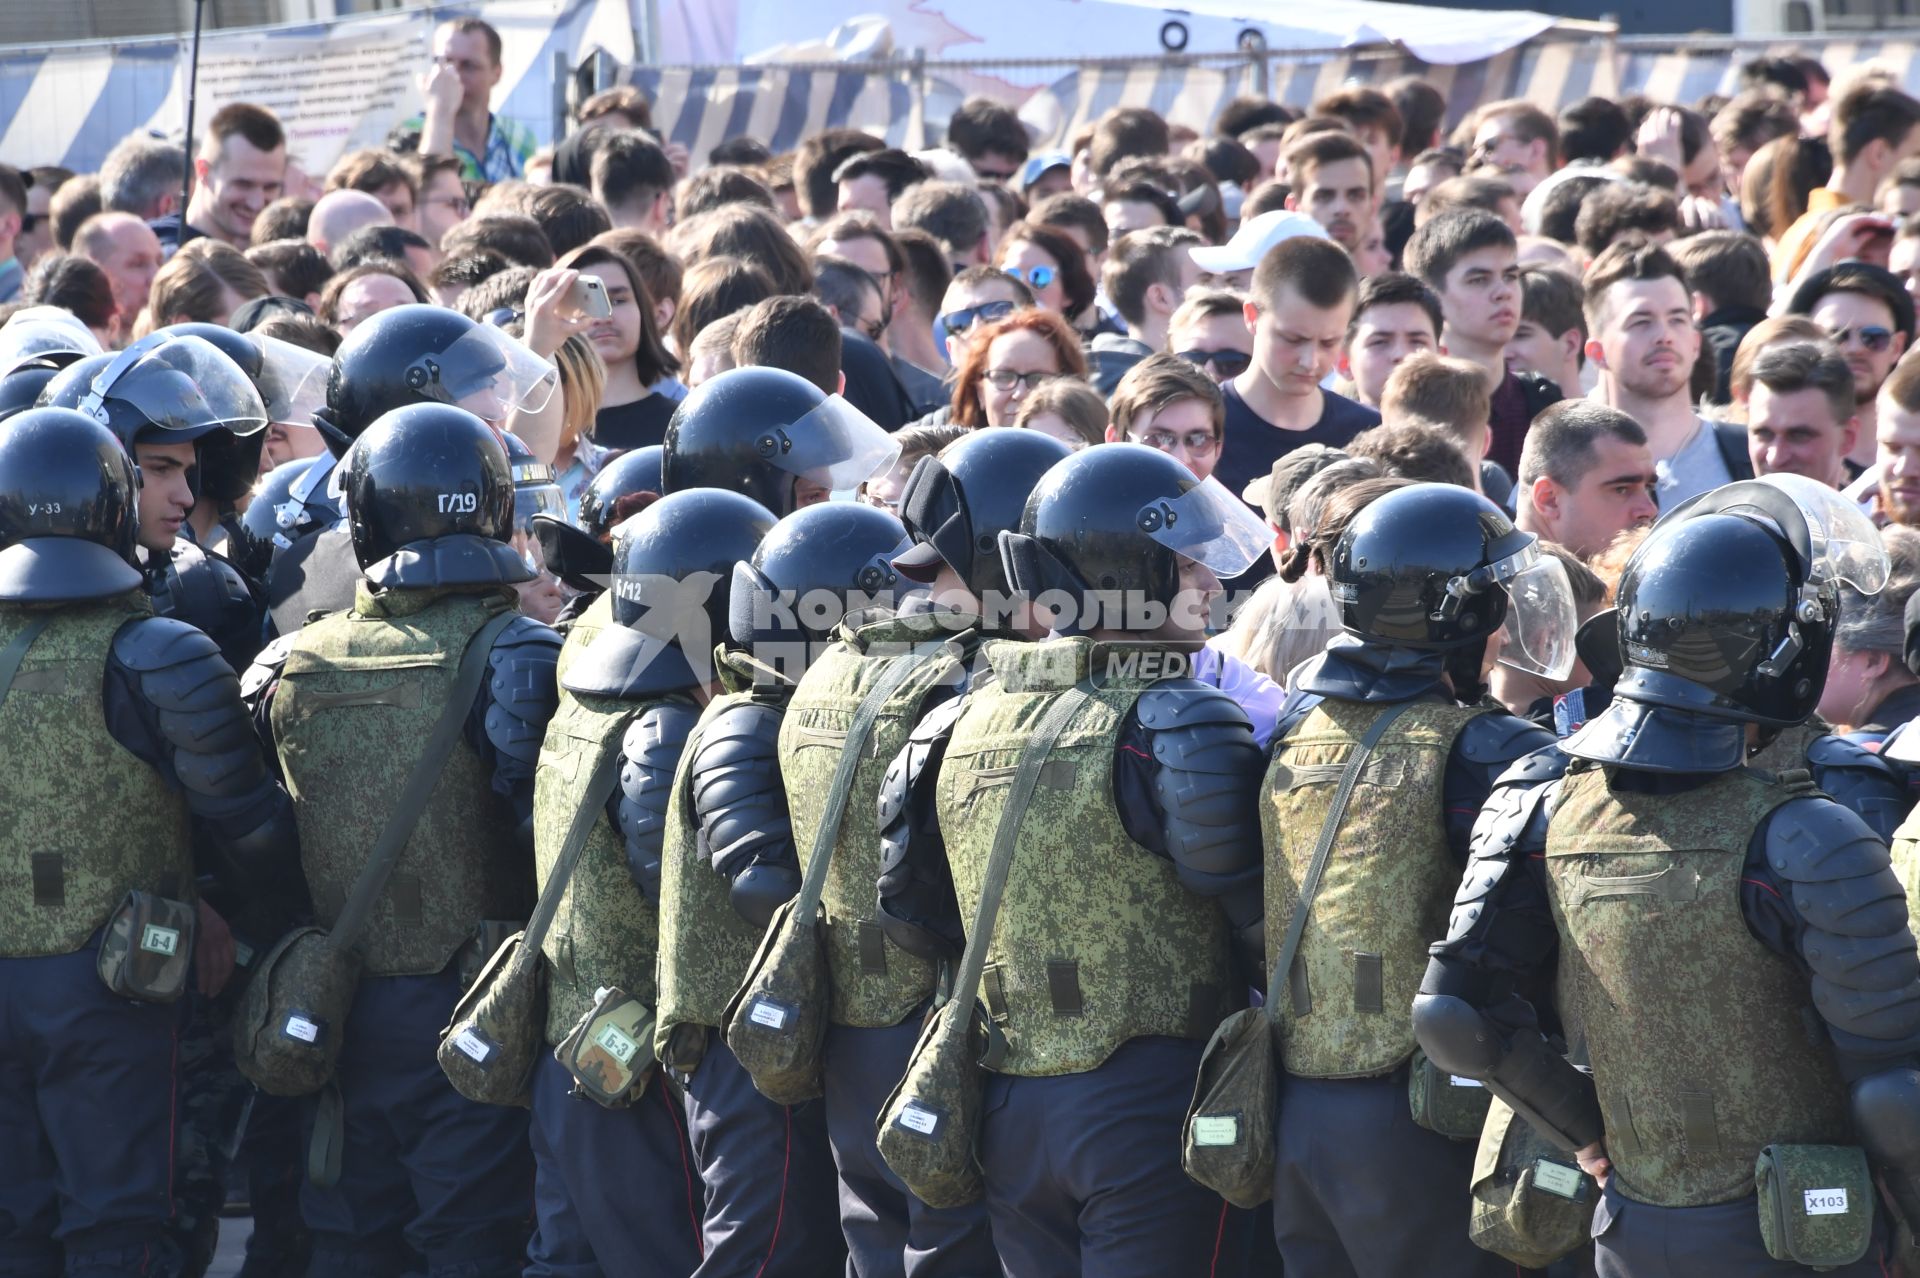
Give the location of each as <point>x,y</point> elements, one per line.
<point>841,389</point>
<point>1343,363</point>
<point>1596,354</point>
<point>1546,498</point>
<point>1114,434</point>
<point>1573,344</point>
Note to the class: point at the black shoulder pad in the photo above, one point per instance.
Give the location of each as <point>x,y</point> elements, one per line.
<point>1207,781</point>
<point>737,790</point>
<point>1181,703</point>
<point>1511,826</point>
<point>1815,840</point>
<point>522,688</point>
<point>156,643</point>
<point>1501,738</point>
<point>925,742</point>
<point>190,686</point>
<point>1860,780</point>
<point>265,668</point>
<point>650,753</point>
<point>1546,764</point>
<point>1833,751</point>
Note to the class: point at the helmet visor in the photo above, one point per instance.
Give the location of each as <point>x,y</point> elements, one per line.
<point>490,375</point>
<point>293,380</point>
<point>1208,525</point>
<point>182,384</point>
<point>1542,623</point>
<point>50,333</point>
<point>835,445</point>
<point>537,499</point>
<point>1846,545</point>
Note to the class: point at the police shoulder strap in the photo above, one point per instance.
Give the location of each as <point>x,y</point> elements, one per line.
<point>606,774</point>
<point>859,732</point>
<point>358,911</point>
<point>1322,852</point>
<point>16,651</point>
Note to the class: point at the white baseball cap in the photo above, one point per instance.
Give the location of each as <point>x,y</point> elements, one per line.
<point>1255,236</point>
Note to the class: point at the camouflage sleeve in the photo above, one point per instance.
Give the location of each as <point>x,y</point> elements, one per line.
<point>175,703</point>
<point>649,756</point>
<point>1859,779</point>
<point>917,907</point>
<point>1483,751</point>
<point>742,808</point>
<point>1840,913</point>
<point>509,717</point>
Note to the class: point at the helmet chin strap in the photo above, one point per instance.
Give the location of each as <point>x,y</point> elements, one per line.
<point>1463,671</point>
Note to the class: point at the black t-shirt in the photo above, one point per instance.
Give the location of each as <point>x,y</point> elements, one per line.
<point>1253,444</point>
<point>635,425</point>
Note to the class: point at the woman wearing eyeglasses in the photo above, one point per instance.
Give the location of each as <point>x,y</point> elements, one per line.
<point>1009,359</point>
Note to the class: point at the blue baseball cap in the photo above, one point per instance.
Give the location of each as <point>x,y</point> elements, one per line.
<point>1036,165</point>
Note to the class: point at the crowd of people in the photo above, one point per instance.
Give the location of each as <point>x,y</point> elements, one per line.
<point>1330,696</point>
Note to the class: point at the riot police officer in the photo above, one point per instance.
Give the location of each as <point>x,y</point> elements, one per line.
<point>1109,962</point>
<point>1730,945</point>
<point>729,862</point>
<point>134,773</point>
<point>615,1193</point>
<point>581,554</point>
<point>34,347</point>
<point>349,704</point>
<point>954,508</point>
<point>1424,576</point>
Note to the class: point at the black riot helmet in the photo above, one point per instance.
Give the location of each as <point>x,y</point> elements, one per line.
<point>815,566</point>
<point>956,505</point>
<point>1109,527</point>
<point>581,554</point>
<point>258,531</point>
<point>674,563</point>
<point>67,509</point>
<point>45,337</point>
<point>417,354</point>
<point>630,473</point>
<point>21,389</point>
<point>756,430</point>
<point>430,501</point>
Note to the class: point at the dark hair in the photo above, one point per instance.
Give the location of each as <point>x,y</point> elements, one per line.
<point>717,287</point>
<point>1795,168</point>
<point>1067,209</point>
<point>72,204</point>
<point>304,331</point>
<point>1631,259</point>
<point>1863,278</point>
<point>1364,108</point>
<point>13,189</point>
<point>894,167</point>
<point>1551,298</point>
<point>927,270</point>
<point>1619,208</point>
<point>742,150</point>
<point>659,270</point>
<point>259,126</point>
<point>1325,147</point>
<point>623,98</point>
<point>1729,266</point>
<point>718,186</point>
<point>1265,198</point>
<point>744,230</point>
<point>1422,454</point>
<point>857,224</point>
<point>840,284</point>
<point>1244,113</point>
<point>1022,295</point>
<point>1560,207</point>
<point>1140,259</point>
<point>1752,119</point>
<point>1560,443</point>
<point>818,159</point>
<point>329,308</point>
<point>385,242</point>
<point>514,236</point>
<point>981,125</point>
<point>1226,159</point>
<point>568,216</point>
<point>652,359</point>
<point>1437,247</point>
<point>1469,191</point>
<point>628,167</point>
<point>948,211</point>
<point>1870,111</point>
<point>294,268</point>
<point>1076,281</point>
<point>1318,270</point>
<point>474,26</point>
<point>1644,170</point>
<point>1125,131</point>
<point>1593,128</point>
<point>1796,366</point>
<point>1396,288</point>
<point>502,290</point>
<point>1764,73</point>
<point>73,283</point>
<point>1422,108</point>
<point>283,219</point>
<point>794,333</point>
<point>466,270</point>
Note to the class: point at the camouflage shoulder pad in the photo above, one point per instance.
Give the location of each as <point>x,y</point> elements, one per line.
<point>522,688</point>
<point>265,668</point>
<point>1500,738</point>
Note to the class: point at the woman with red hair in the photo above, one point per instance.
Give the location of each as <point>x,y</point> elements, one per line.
<point>1008,360</point>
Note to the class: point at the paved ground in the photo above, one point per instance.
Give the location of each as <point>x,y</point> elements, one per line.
<point>233,1241</point>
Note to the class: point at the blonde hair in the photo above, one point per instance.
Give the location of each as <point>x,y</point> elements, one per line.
<point>583,380</point>
<point>1074,402</point>
<point>193,283</point>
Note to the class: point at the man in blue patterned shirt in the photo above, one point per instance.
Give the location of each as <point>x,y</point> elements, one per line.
<point>459,119</point>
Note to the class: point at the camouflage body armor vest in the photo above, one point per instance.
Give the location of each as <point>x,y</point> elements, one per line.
<point>1385,896</point>
<point>705,946</point>
<point>1905,854</point>
<point>1097,942</point>
<point>875,982</point>
<point>1698,1034</point>
<point>89,822</point>
<point>1788,750</point>
<point>594,618</point>
<point>604,930</point>
<point>359,695</point>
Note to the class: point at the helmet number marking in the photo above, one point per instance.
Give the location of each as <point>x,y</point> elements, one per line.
<point>43,508</point>
<point>459,503</point>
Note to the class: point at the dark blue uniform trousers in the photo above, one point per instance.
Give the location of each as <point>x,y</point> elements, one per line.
<point>615,1194</point>
<point>87,1123</point>
<point>1362,1191</point>
<point>768,1176</point>
<point>1083,1170</point>
<point>1639,1240</point>
<point>422,1166</point>
<point>889,1232</point>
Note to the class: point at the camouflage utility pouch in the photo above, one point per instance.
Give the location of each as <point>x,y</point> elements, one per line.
<point>1816,1204</point>
<point>1227,1141</point>
<point>286,1035</point>
<point>929,1126</point>
<point>477,955</point>
<point>776,1022</point>
<point>498,1027</point>
<point>610,1052</point>
<point>1531,1203</point>
<point>1445,1103</point>
<point>147,947</point>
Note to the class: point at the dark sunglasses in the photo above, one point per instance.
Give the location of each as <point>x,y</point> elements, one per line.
<point>958,322</point>
<point>1037,276</point>
<point>1872,336</point>
<point>28,221</point>
<point>1231,363</point>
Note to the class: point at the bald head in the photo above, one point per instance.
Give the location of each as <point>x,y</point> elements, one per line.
<point>127,250</point>
<point>339,214</point>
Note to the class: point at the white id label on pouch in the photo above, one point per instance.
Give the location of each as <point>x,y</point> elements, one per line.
<point>1826,1202</point>
<point>1216,1129</point>
<point>473,1045</point>
<point>771,1015</point>
<point>303,1029</point>
<point>916,1118</point>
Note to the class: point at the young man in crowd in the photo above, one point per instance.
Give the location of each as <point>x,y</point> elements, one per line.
<point>459,119</point>
<point>1897,493</point>
<point>1448,395</point>
<point>1333,182</point>
<point>1869,315</point>
<point>1874,126</point>
<point>241,168</point>
<point>1395,316</point>
<point>1470,259</point>
<point>1302,298</point>
<point>1800,414</point>
<point>1166,403</point>
<point>1210,331</point>
<point>1586,476</point>
<point>1146,277</point>
<point>1551,341</point>
<point>1517,141</point>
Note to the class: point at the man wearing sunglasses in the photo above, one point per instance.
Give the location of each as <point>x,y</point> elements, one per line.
<point>1210,332</point>
<point>978,296</point>
<point>1867,312</point>
<point>13,216</point>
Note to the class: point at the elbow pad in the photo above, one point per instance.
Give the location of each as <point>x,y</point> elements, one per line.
<point>1521,1069</point>
<point>738,795</point>
<point>650,756</point>
<point>1206,780</point>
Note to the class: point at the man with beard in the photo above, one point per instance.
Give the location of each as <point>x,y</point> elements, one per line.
<point>1869,315</point>
<point>1898,435</point>
<point>1334,184</point>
